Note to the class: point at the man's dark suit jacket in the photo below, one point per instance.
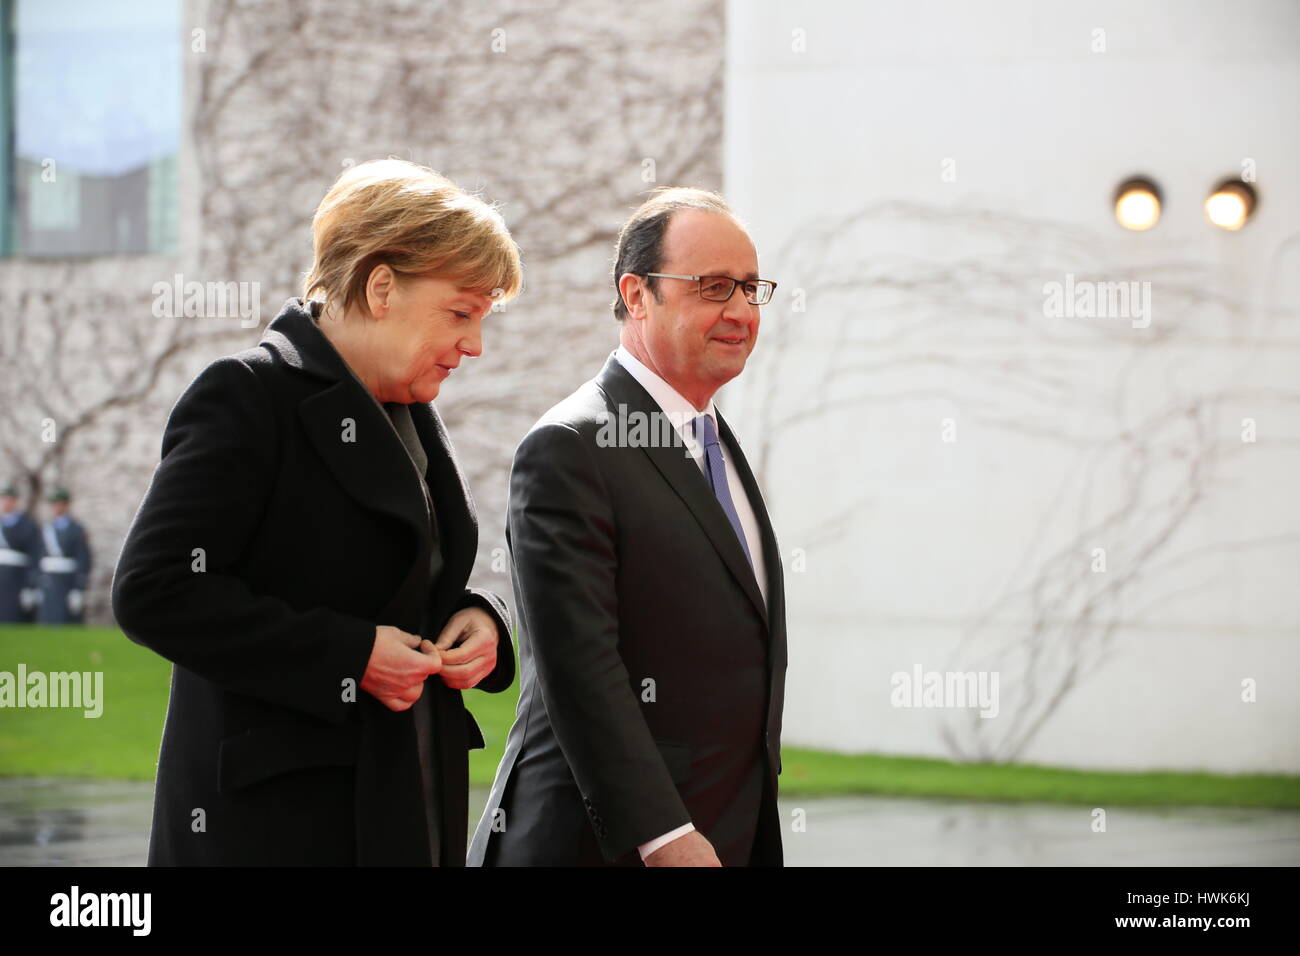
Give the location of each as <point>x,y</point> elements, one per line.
<point>309,540</point>
<point>652,674</point>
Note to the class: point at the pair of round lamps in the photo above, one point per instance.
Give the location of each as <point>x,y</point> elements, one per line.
<point>1138,203</point>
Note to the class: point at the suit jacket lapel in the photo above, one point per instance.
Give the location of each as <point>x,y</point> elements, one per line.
<point>771,550</point>
<point>683,474</point>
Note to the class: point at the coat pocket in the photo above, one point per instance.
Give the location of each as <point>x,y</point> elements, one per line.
<point>677,758</point>
<point>266,752</point>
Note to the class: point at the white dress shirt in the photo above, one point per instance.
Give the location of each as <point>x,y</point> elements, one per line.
<point>680,412</point>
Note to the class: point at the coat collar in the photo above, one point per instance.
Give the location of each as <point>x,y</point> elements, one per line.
<point>679,470</point>
<point>298,340</point>
<point>354,437</point>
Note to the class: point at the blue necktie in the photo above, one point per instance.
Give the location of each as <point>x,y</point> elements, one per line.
<point>707,435</point>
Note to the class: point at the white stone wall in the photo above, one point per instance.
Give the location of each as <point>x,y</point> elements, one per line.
<point>941,457</point>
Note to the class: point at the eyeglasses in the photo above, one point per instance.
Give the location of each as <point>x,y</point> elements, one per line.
<point>720,288</point>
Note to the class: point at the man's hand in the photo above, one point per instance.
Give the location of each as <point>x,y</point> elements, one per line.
<point>689,849</point>
<point>399,663</point>
<point>468,648</point>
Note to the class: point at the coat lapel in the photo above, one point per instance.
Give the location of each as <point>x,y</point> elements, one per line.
<point>457,522</point>
<point>346,425</point>
<point>679,469</point>
<point>368,459</point>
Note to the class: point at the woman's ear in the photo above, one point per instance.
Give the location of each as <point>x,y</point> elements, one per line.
<point>379,289</point>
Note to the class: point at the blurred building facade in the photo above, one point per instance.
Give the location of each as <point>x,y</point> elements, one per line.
<point>172,145</point>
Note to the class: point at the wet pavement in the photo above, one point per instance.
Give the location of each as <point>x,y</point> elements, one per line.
<point>46,822</point>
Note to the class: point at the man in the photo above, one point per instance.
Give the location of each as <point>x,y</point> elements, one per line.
<point>65,568</point>
<point>20,551</point>
<point>648,583</point>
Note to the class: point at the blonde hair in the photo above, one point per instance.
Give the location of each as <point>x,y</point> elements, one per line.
<point>416,221</point>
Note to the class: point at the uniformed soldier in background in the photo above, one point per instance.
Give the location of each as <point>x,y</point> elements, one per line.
<point>65,566</point>
<point>20,555</point>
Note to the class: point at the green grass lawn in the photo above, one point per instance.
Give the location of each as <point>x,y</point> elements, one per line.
<point>123,742</point>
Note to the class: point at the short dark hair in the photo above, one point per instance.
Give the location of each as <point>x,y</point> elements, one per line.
<point>641,240</point>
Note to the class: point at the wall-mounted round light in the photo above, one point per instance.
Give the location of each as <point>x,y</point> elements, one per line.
<point>1231,204</point>
<point>1137,204</point>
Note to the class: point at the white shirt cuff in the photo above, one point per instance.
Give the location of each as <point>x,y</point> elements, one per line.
<point>646,849</point>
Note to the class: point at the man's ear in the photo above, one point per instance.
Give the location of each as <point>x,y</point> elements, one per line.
<point>632,288</point>
<point>379,287</point>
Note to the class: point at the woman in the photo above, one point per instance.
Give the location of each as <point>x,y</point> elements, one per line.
<point>302,552</point>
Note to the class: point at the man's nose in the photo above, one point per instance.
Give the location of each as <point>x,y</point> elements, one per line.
<point>737,308</point>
